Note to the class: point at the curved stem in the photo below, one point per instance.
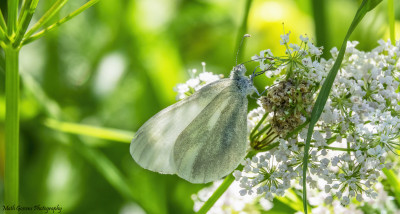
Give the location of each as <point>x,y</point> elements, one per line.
<point>258,125</point>
<point>217,194</point>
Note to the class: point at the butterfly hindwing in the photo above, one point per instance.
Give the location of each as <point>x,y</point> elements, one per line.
<point>214,143</point>
<point>153,144</point>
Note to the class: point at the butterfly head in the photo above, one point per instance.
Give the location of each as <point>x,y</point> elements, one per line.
<point>238,71</point>
<point>244,83</point>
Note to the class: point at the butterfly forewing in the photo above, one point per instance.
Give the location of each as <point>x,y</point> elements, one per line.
<point>152,147</point>
<point>214,143</point>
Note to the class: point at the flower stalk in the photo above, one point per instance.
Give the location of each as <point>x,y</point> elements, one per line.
<point>11,179</point>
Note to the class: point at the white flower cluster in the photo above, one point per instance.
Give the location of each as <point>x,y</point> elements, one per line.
<point>358,128</point>
<point>231,201</point>
<point>195,83</point>
<point>302,61</point>
<point>359,125</point>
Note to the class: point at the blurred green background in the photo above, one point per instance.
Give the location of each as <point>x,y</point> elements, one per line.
<point>116,64</point>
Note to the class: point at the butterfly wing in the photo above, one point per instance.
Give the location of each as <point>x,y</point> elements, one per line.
<point>153,144</point>
<point>214,144</point>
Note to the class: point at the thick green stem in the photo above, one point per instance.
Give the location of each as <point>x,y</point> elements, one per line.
<point>11,179</point>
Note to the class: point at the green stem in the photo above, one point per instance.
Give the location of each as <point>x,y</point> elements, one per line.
<point>222,188</point>
<point>217,194</point>
<point>41,33</point>
<point>339,149</point>
<point>2,22</point>
<point>11,179</point>
<point>391,21</point>
<point>26,14</point>
<point>12,17</point>
<point>262,131</point>
<point>258,125</point>
<point>3,36</point>
<point>243,29</point>
<point>46,17</point>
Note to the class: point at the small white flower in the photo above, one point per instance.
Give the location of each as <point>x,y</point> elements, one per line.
<point>208,77</point>
<point>295,47</point>
<point>269,196</point>
<point>193,82</point>
<point>307,62</point>
<point>359,197</point>
<point>314,50</point>
<point>345,200</point>
<point>284,38</point>
<point>327,188</point>
<point>304,38</point>
<point>237,174</point>
<point>339,194</point>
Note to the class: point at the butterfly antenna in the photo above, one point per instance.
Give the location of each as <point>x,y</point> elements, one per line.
<point>240,46</point>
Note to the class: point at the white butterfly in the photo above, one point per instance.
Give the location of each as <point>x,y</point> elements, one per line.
<point>201,138</point>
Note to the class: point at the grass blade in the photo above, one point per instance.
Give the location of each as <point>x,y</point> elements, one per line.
<point>92,131</point>
<point>366,6</point>
<point>394,183</point>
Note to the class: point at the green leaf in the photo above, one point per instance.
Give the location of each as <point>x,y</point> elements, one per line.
<point>365,7</point>
<point>394,183</point>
